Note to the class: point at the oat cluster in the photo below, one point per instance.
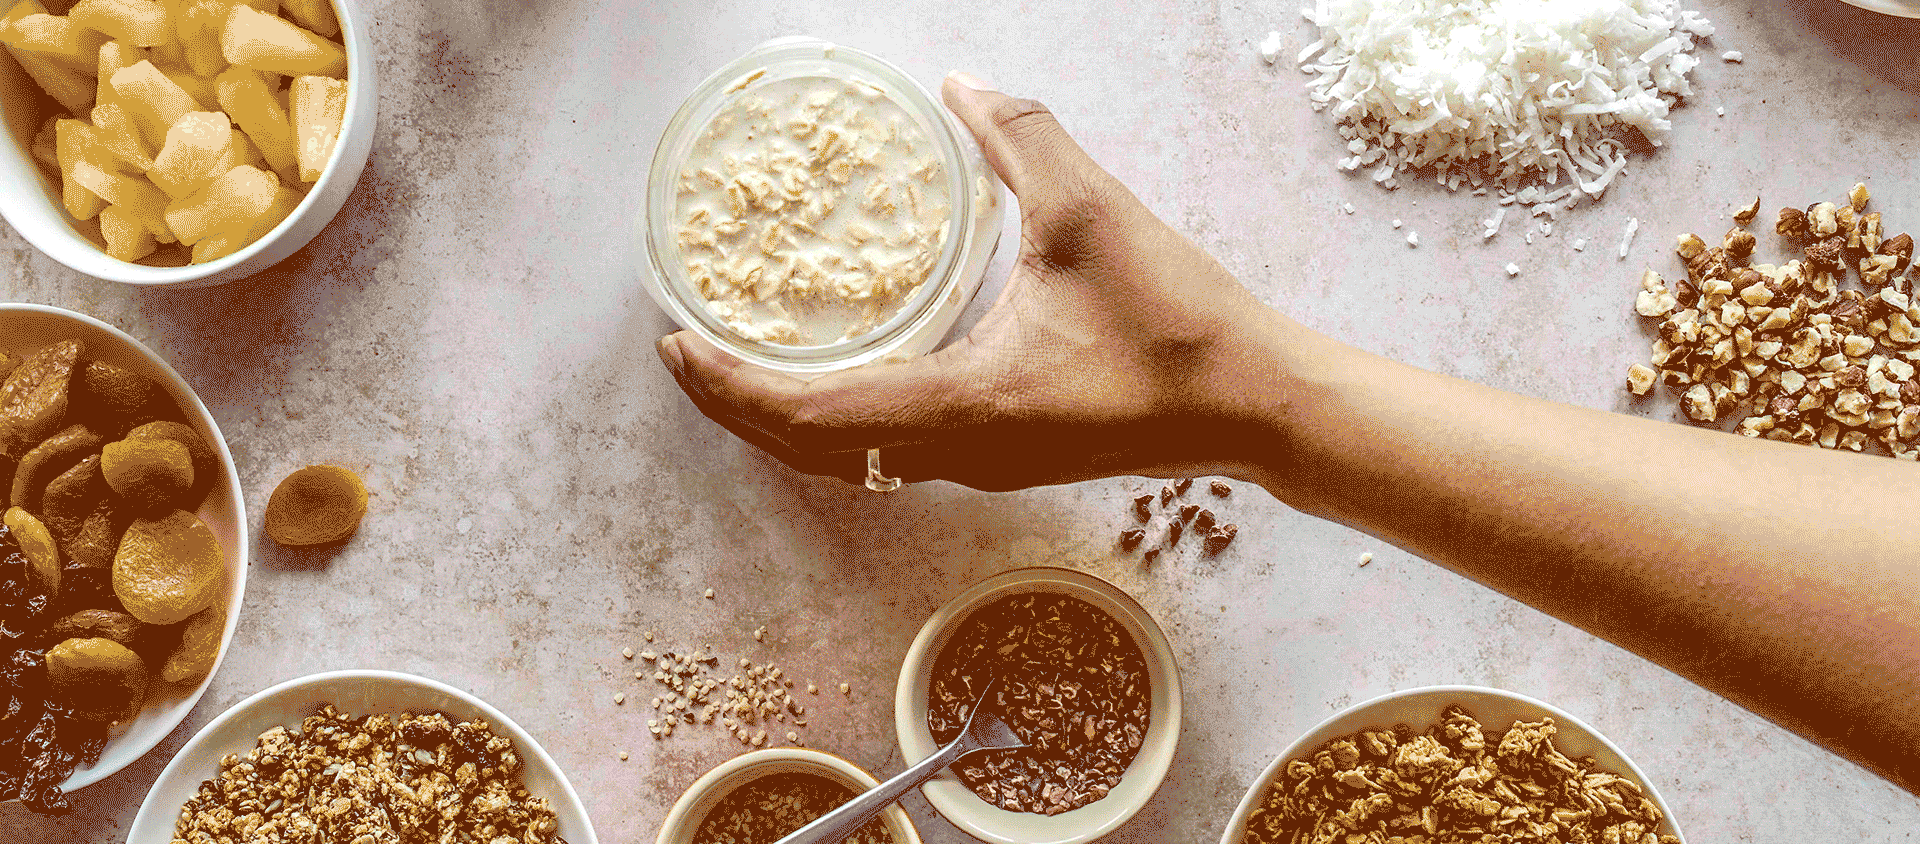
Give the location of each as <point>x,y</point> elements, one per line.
<point>1453,784</point>
<point>414,779</point>
<point>1805,357</point>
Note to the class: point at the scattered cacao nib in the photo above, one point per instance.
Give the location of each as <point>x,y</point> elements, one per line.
<point>1220,489</point>
<point>1173,532</point>
<point>1219,538</point>
<point>1140,505</point>
<point>1187,511</point>
<point>1182,485</point>
<point>1151,555</point>
<point>1166,495</point>
<point>1131,538</point>
<point>1203,521</point>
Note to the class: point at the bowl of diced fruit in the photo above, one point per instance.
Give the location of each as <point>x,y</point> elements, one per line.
<point>181,142</point>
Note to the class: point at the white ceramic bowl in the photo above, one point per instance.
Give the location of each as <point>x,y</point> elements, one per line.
<point>988,822</point>
<point>29,327</point>
<point>683,820</point>
<point>355,693</point>
<point>1421,708</point>
<point>31,201</point>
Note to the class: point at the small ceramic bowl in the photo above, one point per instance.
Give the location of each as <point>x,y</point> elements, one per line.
<point>988,822</point>
<point>30,200</point>
<point>30,327</point>
<point>683,820</point>
<point>356,693</point>
<point>1422,708</point>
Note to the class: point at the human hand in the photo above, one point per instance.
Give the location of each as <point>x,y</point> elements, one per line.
<point>1113,348</point>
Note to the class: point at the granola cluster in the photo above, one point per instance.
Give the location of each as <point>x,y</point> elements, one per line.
<point>1453,784</point>
<point>414,779</point>
<point>1805,360</point>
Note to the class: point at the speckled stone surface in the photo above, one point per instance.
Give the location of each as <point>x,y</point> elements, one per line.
<point>469,336</point>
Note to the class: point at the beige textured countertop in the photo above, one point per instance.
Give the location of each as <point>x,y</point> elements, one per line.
<point>468,335</point>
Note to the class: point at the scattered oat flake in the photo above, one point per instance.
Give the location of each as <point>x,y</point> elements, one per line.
<point>1347,207</point>
<point>1580,245</point>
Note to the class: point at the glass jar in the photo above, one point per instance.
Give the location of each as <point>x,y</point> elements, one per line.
<point>972,229</point>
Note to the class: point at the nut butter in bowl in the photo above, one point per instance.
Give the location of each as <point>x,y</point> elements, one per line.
<point>812,208</point>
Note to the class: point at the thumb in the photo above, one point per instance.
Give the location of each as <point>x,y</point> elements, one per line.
<point>1022,140</point>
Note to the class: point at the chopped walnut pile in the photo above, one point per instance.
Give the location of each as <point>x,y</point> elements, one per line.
<point>1800,354</point>
<point>415,779</point>
<point>1453,783</point>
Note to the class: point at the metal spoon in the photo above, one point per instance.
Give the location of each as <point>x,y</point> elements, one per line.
<point>984,731</point>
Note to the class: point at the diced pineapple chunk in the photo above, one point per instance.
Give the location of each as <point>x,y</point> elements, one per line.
<point>198,23</point>
<point>72,89</point>
<point>58,38</point>
<point>252,104</point>
<point>319,108</point>
<point>74,144</point>
<point>143,23</point>
<point>316,15</point>
<point>45,148</point>
<point>234,200</point>
<point>121,136</point>
<point>127,238</point>
<point>114,57</point>
<point>137,197</point>
<point>265,42</point>
<point>153,99</point>
<point>200,88</point>
<point>192,154</point>
<point>228,242</point>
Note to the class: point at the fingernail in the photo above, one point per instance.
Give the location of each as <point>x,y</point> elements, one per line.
<point>970,81</point>
<point>669,349</point>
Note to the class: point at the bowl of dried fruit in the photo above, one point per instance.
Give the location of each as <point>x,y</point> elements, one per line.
<point>123,557</point>
<point>1080,672</point>
<point>181,144</point>
<point>1453,762</point>
<point>285,748</point>
<point>760,797</point>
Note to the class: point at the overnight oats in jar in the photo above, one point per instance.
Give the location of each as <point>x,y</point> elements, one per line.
<point>812,208</point>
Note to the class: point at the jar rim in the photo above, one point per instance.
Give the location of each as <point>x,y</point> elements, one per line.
<point>774,61</point>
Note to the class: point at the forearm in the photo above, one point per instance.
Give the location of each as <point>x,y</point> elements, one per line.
<point>1760,570</point>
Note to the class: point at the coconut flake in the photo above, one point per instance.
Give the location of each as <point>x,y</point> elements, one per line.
<point>1626,237</point>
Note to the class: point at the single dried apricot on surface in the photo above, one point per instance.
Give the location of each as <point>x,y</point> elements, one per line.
<point>101,679</point>
<point>168,568</point>
<point>149,473</point>
<point>53,455</point>
<point>34,397</point>
<point>36,544</point>
<point>206,464</point>
<point>199,646</point>
<point>316,505</point>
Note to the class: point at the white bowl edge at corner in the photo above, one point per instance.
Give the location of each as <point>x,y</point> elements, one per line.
<point>958,804</point>
<point>35,211</point>
<point>356,692</point>
<point>687,812</point>
<point>224,511</point>
<point>1421,707</point>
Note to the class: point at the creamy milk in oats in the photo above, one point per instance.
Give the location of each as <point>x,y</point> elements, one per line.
<point>809,211</point>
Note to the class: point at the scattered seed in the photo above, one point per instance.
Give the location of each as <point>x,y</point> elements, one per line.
<point>812,689</point>
<point>709,594</point>
<point>760,634</point>
<point>623,756</point>
<point>649,635</point>
<point>793,737</point>
<point>627,652</point>
<point>846,690</point>
<point>620,698</point>
<point>1365,558</point>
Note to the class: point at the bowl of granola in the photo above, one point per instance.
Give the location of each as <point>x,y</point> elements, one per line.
<point>762,796</point>
<point>285,747</point>
<point>1453,762</point>
<point>1080,672</point>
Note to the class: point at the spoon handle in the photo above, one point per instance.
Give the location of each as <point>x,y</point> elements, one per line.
<point>834,827</point>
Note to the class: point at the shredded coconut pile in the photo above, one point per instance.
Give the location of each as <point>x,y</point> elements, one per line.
<point>1525,95</point>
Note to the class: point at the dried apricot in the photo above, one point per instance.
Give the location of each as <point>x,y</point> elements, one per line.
<point>206,464</point>
<point>53,455</point>
<point>98,540</point>
<point>148,473</point>
<point>99,624</point>
<point>36,544</point>
<point>199,646</point>
<point>34,397</point>
<point>316,505</point>
<point>168,568</point>
<point>113,396</point>
<point>101,679</point>
<point>72,496</point>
